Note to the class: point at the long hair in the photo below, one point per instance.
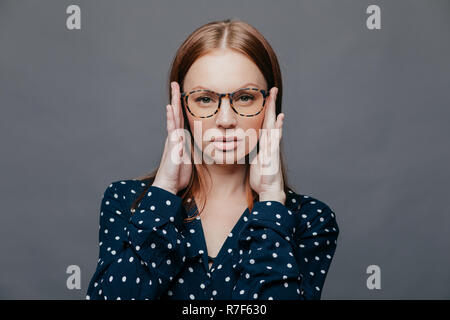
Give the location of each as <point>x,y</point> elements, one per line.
<point>230,34</point>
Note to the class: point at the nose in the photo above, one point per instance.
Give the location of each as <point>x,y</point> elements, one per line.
<point>226,117</point>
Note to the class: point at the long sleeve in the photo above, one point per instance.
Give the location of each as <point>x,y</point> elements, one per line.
<point>316,245</point>
<point>267,262</point>
<point>140,253</point>
<point>267,267</point>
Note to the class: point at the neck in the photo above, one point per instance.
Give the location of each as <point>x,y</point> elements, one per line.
<point>227,180</point>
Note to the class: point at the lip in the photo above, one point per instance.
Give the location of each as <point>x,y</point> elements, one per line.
<point>226,139</point>
<point>226,145</point>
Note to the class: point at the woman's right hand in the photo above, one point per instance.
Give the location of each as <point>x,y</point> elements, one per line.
<point>175,168</point>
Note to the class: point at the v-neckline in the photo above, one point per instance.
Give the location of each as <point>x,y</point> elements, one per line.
<point>225,244</point>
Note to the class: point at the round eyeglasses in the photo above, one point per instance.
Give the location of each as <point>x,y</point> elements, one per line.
<point>246,102</point>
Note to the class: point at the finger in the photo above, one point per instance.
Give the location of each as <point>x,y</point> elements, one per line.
<point>170,124</point>
<point>273,115</point>
<point>269,118</point>
<point>272,107</point>
<point>176,102</point>
<point>180,110</point>
<point>277,132</point>
<point>186,152</point>
<point>272,121</point>
<point>181,149</point>
<point>173,134</point>
<point>274,136</point>
<point>180,107</point>
<point>281,124</point>
<point>264,147</point>
<point>266,111</point>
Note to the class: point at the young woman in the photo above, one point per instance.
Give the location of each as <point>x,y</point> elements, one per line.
<point>216,219</point>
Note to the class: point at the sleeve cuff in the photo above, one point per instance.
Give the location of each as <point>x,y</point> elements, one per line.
<point>159,203</point>
<point>275,215</point>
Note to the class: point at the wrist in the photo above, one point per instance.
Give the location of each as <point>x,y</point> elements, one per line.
<point>279,196</point>
<point>165,187</point>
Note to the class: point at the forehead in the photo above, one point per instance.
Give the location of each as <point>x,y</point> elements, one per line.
<point>223,70</point>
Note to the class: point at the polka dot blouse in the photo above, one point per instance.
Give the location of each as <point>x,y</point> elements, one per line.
<point>274,252</point>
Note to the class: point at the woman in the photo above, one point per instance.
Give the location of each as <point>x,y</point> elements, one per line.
<point>216,219</point>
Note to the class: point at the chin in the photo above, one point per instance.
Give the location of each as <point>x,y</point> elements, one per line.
<point>229,158</point>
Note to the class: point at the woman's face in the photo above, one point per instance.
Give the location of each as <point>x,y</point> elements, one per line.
<point>224,71</point>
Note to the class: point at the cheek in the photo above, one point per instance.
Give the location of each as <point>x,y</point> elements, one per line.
<point>202,126</point>
<point>253,123</point>
<point>249,125</point>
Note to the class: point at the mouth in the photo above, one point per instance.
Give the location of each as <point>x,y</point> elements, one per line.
<point>226,143</point>
<point>226,139</point>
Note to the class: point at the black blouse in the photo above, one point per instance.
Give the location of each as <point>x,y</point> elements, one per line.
<point>276,251</point>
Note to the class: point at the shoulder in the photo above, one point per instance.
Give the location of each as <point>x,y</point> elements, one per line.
<point>311,212</point>
<point>131,186</point>
<point>125,191</point>
<point>305,203</point>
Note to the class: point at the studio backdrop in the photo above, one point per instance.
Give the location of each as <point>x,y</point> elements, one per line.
<point>83,90</point>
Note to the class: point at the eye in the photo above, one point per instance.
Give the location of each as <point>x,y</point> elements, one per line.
<point>246,98</point>
<point>203,99</point>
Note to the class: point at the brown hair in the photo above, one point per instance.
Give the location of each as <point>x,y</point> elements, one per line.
<point>230,34</point>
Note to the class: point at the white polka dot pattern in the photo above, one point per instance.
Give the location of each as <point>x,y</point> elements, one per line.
<point>277,251</point>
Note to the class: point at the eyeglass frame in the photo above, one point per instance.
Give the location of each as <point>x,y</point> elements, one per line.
<point>185,96</point>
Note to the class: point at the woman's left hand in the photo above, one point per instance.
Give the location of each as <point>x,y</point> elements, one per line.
<point>265,170</point>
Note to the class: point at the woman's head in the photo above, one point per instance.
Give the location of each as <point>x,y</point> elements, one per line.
<point>226,41</point>
<point>224,70</point>
<point>223,56</point>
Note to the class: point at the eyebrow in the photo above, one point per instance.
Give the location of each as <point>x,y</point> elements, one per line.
<point>243,86</point>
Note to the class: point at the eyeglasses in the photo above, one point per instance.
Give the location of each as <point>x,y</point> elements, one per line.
<point>246,102</point>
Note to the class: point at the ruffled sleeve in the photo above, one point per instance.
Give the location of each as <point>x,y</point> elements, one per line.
<point>140,253</point>
<point>316,242</point>
<point>271,262</point>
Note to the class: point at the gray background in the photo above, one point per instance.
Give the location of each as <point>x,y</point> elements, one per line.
<point>366,129</point>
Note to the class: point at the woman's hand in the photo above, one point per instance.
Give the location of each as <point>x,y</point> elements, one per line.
<point>265,170</point>
<point>175,167</point>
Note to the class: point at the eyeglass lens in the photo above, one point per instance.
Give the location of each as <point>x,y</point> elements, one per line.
<point>204,103</point>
